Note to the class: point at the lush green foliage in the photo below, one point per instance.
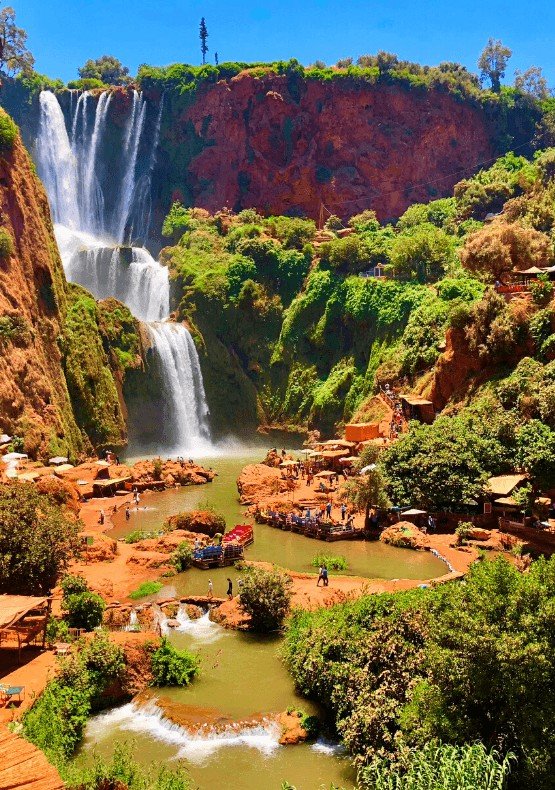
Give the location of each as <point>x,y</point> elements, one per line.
<point>146,588</point>
<point>106,69</point>
<point>57,720</point>
<point>265,596</point>
<point>6,241</point>
<point>38,539</point>
<point>84,610</point>
<point>8,132</point>
<point>122,770</point>
<point>462,663</point>
<point>182,557</point>
<point>141,534</point>
<point>172,667</point>
<point>440,766</point>
<point>334,562</point>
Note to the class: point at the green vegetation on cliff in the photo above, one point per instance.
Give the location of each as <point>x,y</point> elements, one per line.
<point>89,378</point>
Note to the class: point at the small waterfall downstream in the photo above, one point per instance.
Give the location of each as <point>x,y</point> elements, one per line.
<point>97,212</point>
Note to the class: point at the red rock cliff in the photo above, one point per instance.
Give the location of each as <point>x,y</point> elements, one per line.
<point>260,142</point>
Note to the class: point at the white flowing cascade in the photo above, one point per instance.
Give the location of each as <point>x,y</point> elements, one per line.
<point>196,746</point>
<point>93,250</point>
<point>202,629</point>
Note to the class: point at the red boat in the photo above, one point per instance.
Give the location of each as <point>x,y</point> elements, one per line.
<point>241,534</point>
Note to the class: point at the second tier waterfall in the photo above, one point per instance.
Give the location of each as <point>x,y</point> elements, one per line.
<point>98,207</point>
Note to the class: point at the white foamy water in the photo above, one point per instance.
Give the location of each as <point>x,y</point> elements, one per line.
<point>91,231</point>
<point>196,746</point>
<point>202,629</point>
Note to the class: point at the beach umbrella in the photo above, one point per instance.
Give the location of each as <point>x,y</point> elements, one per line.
<point>4,439</point>
<point>326,473</point>
<point>13,457</point>
<point>366,469</point>
<point>58,459</point>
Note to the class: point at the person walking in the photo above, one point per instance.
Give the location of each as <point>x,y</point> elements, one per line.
<point>210,589</point>
<point>101,517</point>
<point>320,576</point>
<point>343,511</point>
<point>229,588</point>
<point>325,575</point>
<point>328,510</point>
<point>127,513</point>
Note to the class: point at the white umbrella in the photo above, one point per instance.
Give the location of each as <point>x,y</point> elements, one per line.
<point>13,457</point>
<point>366,469</point>
<point>4,439</point>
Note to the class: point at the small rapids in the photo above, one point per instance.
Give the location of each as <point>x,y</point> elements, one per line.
<point>201,629</point>
<point>196,746</point>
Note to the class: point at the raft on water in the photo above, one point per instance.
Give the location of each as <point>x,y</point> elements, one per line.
<point>242,534</point>
<point>217,556</point>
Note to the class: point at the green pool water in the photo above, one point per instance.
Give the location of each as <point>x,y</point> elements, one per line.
<point>370,559</point>
<point>242,680</point>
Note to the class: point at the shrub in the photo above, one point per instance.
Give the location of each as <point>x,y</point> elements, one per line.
<point>463,532</point>
<point>182,557</point>
<point>73,585</point>
<point>141,534</point>
<point>266,597</point>
<point>84,610</point>
<point>6,243</point>
<point>8,132</point>
<point>331,561</point>
<point>541,290</point>
<point>123,771</point>
<point>57,631</point>
<point>171,667</point>
<point>146,588</point>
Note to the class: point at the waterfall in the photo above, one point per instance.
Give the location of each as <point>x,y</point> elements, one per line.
<point>186,400</point>
<point>97,205</point>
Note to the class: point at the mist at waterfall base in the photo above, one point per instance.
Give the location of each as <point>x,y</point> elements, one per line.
<point>98,179</point>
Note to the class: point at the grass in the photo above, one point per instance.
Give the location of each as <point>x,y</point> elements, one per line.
<point>140,534</point>
<point>331,561</point>
<point>146,588</point>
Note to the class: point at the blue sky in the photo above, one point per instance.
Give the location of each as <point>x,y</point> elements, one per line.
<point>64,33</point>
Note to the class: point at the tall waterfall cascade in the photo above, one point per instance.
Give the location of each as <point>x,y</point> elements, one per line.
<point>99,209</point>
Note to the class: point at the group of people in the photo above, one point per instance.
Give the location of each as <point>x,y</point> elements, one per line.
<point>229,588</point>
<point>323,576</point>
<point>323,513</point>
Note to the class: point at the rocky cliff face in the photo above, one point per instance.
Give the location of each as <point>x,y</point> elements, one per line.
<point>39,345</point>
<point>286,145</point>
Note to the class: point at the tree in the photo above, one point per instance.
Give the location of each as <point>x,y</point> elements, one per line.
<point>344,63</point>
<point>499,247</point>
<point>203,35</point>
<point>14,55</point>
<point>108,69</point>
<point>84,610</point>
<point>421,253</point>
<point>38,539</point>
<point>493,62</point>
<point>365,492</point>
<point>532,82</point>
<point>386,61</point>
<point>266,597</point>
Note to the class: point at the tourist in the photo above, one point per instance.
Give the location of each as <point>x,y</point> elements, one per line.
<point>343,511</point>
<point>197,544</point>
<point>127,513</point>
<point>101,517</point>
<point>308,513</point>
<point>350,520</point>
<point>229,588</point>
<point>325,575</point>
<point>328,510</point>
<point>210,589</point>
<point>320,575</point>
<point>431,523</point>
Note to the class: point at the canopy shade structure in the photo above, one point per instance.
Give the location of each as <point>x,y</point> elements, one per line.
<point>325,474</point>
<point>58,459</point>
<point>4,438</point>
<point>351,459</point>
<point>338,443</point>
<point>14,607</point>
<point>503,485</point>
<point>366,469</point>
<point>532,270</point>
<point>288,463</point>
<point>414,512</point>
<point>508,501</point>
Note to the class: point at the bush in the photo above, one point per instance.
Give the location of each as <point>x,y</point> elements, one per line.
<point>57,631</point>
<point>146,588</point>
<point>73,585</point>
<point>182,557</point>
<point>266,597</point>
<point>84,610</point>
<point>57,719</point>
<point>171,667</point>
<point>141,534</point>
<point>332,562</point>
<point>123,771</point>
<point>8,132</point>
<point>6,243</point>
